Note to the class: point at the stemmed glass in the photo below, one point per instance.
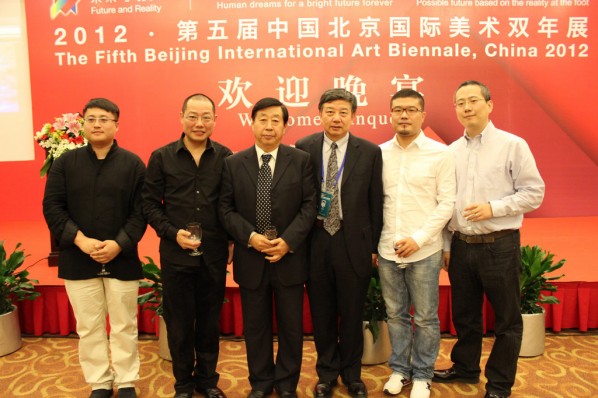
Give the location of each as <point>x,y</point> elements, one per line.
<point>103,272</point>
<point>270,232</point>
<point>401,264</point>
<point>195,229</point>
<point>469,225</point>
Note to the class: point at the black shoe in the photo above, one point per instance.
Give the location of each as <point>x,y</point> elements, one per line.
<point>324,389</point>
<point>183,395</point>
<point>495,395</point>
<point>451,376</point>
<point>213,392</point>
<point>127,392</point>
<point>257,394</point>
<point>101,393</point>
<point>287,394</point>
<point>357,389</point>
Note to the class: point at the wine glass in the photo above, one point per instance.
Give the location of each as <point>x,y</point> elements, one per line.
<point>103,272</point>
<point>270,232</point>
<point>195,229</point>
<point>468,225</point>
<point>401,264</point>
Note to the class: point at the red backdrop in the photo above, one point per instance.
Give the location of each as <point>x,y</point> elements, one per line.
<point>538,61</point>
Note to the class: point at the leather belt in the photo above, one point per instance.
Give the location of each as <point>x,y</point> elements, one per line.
<point>484,238</point>
<point>320,223</point>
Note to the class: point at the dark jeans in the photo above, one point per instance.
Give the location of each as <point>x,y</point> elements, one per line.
<point>193,299</point>
<point>493,269</point>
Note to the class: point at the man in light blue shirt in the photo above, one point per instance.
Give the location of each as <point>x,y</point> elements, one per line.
<point>497,182</point>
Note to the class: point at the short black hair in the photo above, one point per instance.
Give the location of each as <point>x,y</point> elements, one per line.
<point>335,94</point>
<point>105,104</point>
<point>269,102</point>
<point>485,89</point>
<point>409,93</point>
<point>198,96</point>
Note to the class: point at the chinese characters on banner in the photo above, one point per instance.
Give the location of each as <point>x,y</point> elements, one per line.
<point>537,56</point>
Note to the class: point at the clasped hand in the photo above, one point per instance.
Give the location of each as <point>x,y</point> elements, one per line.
<point>100,251</point>
<point>274,249</point>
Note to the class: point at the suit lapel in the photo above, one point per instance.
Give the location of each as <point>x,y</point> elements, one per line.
<point>352,156</point>
<point>315,150</point>
<point>283,159</point>
<point>251,165</point>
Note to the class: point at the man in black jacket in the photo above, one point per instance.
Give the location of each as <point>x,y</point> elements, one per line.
<point>92,206</point>
<point>182,186</point>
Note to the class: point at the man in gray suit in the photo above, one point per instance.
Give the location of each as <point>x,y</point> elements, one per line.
<point>265,265</point>
<point>344,240</point>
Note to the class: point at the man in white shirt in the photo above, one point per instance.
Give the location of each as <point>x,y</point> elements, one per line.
<point>497,182</point>
<point>418,174</point>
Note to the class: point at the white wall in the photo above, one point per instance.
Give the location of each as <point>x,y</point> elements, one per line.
<point>16,122</point>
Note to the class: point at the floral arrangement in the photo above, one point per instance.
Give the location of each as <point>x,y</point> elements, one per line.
<point>56,138</point>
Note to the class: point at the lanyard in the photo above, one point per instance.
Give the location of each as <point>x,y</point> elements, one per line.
<point>338,173</point>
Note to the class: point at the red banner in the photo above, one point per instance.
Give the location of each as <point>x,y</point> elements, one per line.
<point>537,56</point>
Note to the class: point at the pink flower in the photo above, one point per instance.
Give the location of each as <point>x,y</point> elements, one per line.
<point>73,126</point>
<point>59,124</point>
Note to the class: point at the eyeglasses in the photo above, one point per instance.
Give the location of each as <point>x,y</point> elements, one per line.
<point>204,118</point>
<point>471,101</point>
<point>101,120</point>
<point>410,110</point>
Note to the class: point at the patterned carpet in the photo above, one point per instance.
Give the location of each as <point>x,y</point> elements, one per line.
<point>48,367</point>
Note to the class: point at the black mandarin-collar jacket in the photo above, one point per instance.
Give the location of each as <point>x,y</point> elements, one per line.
<point>102,198</point>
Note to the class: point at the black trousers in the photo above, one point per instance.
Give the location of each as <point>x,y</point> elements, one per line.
<point>265,373</point>
<point>492,269</point>
<point>193,299</point>
<point>336,296</point>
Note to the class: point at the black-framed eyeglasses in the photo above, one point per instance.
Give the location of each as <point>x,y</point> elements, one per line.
<point>410,110</point>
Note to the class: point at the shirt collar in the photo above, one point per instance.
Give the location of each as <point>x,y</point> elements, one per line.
<point>419,141</point>
<point>180,144</point>
<point>484,135</point>
<point>113,148</point>
<point>260,152</point>
<point>341,144</point>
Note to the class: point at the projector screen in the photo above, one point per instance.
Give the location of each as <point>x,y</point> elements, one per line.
<point>16,119</point>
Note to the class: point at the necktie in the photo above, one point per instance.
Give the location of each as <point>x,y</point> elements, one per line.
<point>332,223</point>
<point>264,186</point>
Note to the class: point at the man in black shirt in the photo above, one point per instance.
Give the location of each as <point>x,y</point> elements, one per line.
<point>92,206</point>
<point>182,186</point>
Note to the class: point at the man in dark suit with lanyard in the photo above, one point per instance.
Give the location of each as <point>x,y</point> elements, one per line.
<point>344,240</point>
<point>268,189</point>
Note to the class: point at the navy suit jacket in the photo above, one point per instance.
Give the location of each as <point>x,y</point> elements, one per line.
<point>293,213</point>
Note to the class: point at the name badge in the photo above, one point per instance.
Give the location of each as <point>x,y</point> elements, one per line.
<point>324,208</point>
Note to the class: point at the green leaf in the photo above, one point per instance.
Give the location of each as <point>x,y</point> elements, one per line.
<point>536,265</point>
<point>46,167</point>
<point>14,285</point>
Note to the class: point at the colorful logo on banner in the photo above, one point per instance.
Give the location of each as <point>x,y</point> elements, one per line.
<point>63,7</point>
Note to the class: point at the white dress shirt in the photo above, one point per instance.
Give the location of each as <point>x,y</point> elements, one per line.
<point>272,162</point>
<point>419,195</point>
